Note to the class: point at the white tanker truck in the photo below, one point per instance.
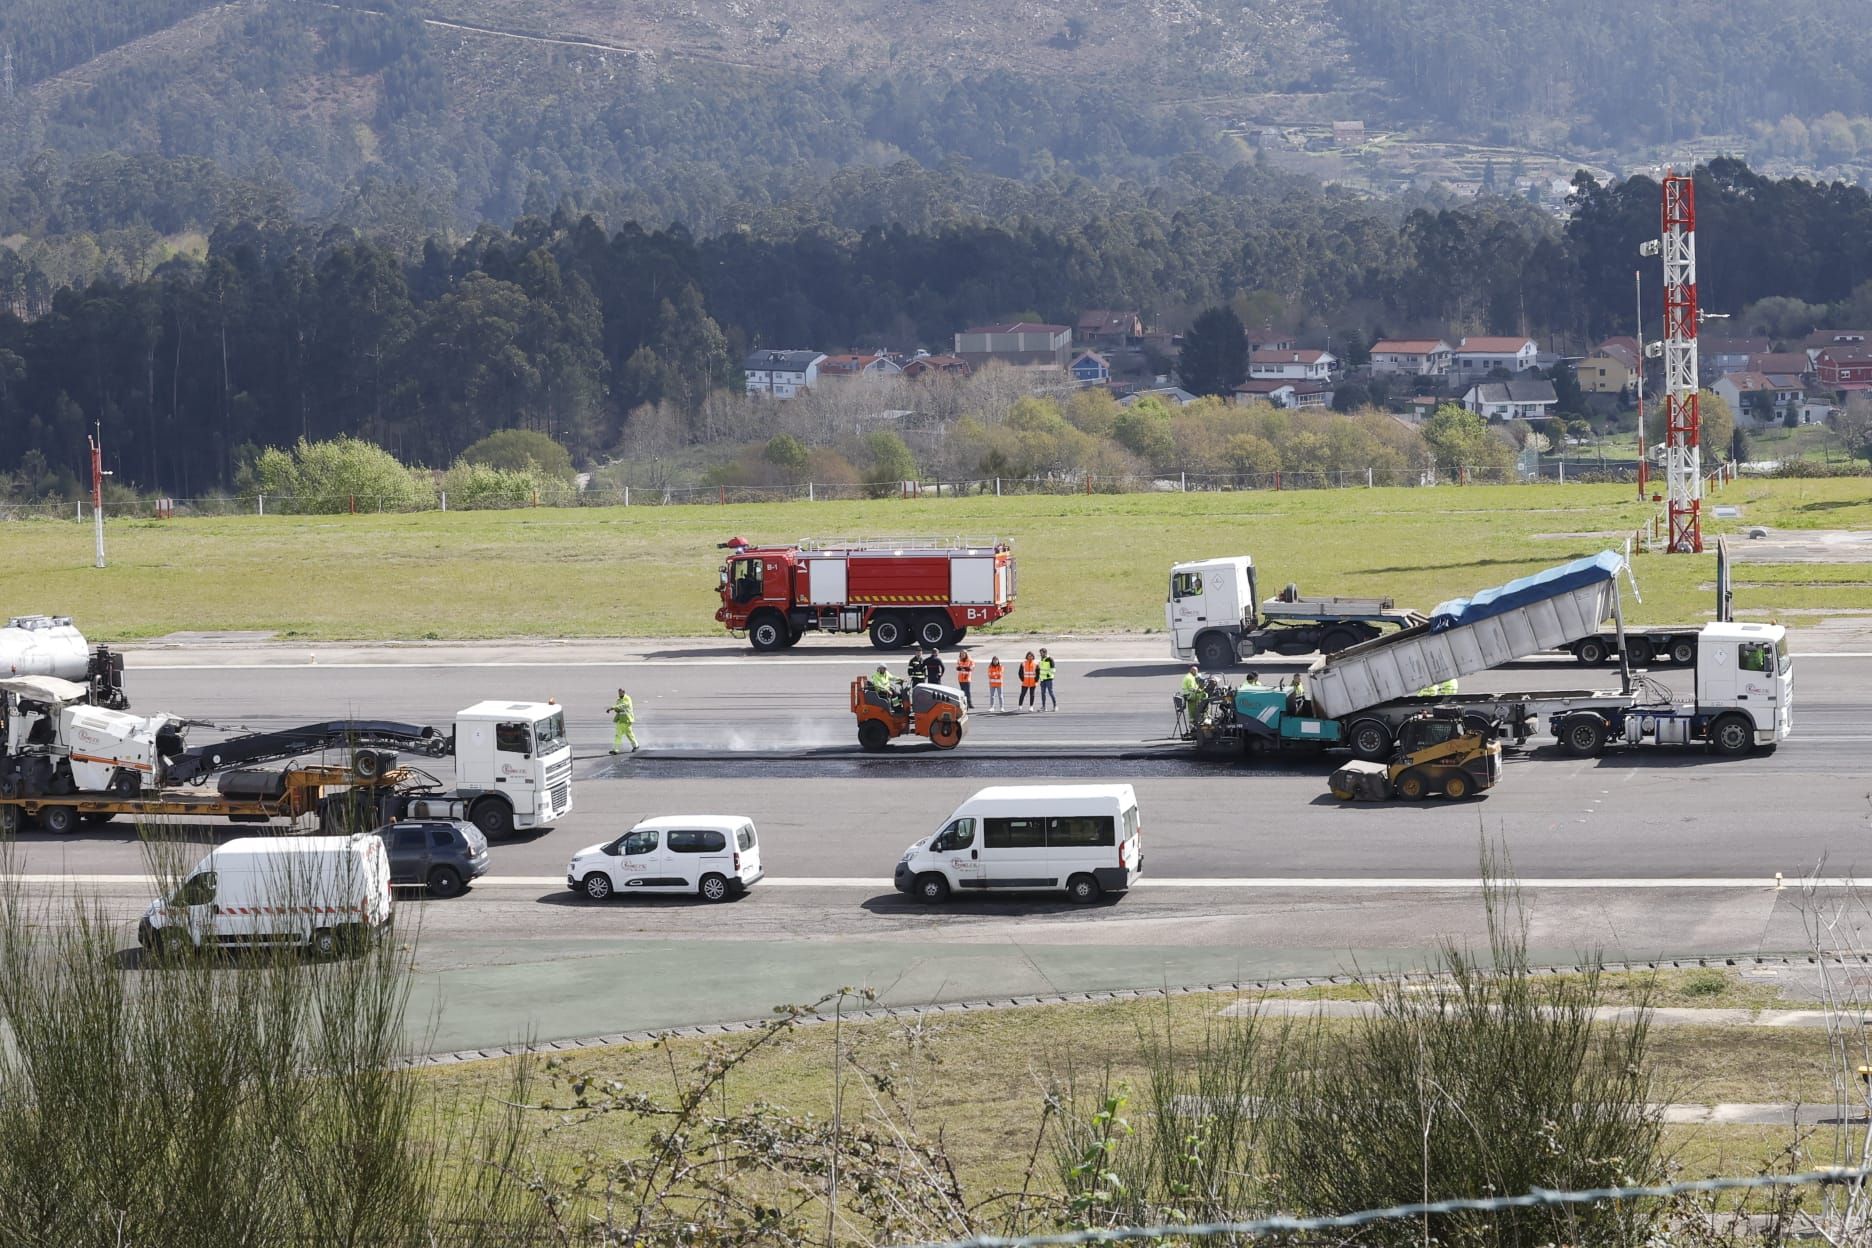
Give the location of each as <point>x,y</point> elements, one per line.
<point>49,645</point>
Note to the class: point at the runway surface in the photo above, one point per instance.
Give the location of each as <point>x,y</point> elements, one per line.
<point>1253,871</point>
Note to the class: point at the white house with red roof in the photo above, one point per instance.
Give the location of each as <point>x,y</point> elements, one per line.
<point>1411,357</point>
<point>851,364</point>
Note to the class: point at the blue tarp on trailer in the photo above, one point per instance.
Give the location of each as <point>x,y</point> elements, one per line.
<point>1525,590</point>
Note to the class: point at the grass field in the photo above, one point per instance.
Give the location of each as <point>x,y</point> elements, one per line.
<point>981,1079</point>
<point>1087,563</point>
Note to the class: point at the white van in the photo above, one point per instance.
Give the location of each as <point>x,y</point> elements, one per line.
<point>1083,838</point>
<point>325,893</point>
<point>713,856</point>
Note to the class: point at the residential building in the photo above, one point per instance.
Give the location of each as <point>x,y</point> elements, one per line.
<point>937,366</point>
<point>1292,365</point>
<point>1756,398</point>
<point>1284,392</point>
<point>1777,363</point>
<point>1716,356</point>
<point>1477,357</point>
<point>875,364</point>
<point>1844,368</point>
<point>1609,369</point>
<point>1108,329</point>
<point>1268,338</point>
<point>1090,369</point>
<point>1169,394</point>
<point>1411,357</point>
<point>1024,344</point>
<point>782,374</point>
<point>1348,133</point>
<point>1821,339</point>
<point>1512,400</point>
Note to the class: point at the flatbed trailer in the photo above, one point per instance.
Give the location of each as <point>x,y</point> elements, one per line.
<point>1213,617</point>
<point>302,796</point>
<point>1643,646</point>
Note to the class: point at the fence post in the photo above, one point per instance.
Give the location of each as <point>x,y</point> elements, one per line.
<point>627,496</point>
<point>1277,479</point>
<point>1183,482</point>
<point>260,504</point>
<point>442,497</point>
<point>353,503</point>
<point>80,516</point>
<point>1368,478</point>
<point>997,487</point>
<point>809,492</point>
<point>1563,472</point>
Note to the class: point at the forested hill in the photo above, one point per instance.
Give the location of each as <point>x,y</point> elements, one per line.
<point>409,115</point>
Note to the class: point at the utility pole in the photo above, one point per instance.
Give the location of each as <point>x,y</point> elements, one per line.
<point>97,489</point>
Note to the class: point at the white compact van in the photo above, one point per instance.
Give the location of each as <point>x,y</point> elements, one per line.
<point>1083,838</point>
<point>714,856</point>
<point>325,893</point>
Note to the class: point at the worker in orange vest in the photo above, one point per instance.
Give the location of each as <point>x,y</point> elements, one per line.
<point>994,685</point>
<point>965,672</point>
<point>1029,677</point>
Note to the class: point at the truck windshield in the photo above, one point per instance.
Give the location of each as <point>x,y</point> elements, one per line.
<point>550,732</point>
<point>747,579</point>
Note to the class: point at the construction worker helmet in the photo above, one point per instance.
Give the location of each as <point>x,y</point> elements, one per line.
<point>881,670</point>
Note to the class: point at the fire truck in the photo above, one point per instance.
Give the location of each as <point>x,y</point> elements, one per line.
<point>901,591</point>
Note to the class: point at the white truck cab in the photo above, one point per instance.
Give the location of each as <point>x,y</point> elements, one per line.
<point>713,856</point>
<point>513,767</point>
<point>1743,670</point>
<point>1209,596</point>
<point>1084,839</point>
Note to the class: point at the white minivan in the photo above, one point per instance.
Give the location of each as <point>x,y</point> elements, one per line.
<point>714,856</point>
<point>325,893</point>
<point>1086,839</point>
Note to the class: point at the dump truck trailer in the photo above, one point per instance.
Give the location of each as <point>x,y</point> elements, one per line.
<point>1360,697</point>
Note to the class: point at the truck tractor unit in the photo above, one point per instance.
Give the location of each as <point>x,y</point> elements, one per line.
<point>1362,697</point>
<point>1213,616</point>
<point>1438,751</point>
<point>934,712</point>
<point>64,761</point>
<point>903,592</point>
<point>49,645</point>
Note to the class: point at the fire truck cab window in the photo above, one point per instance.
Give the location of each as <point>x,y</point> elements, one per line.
<point>513,739</point>
<point>747,579</point>
<point>1186,585</point>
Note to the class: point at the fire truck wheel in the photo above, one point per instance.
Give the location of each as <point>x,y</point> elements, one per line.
<point>945,734</point>
<point>767,631</point>
<point>888,631</point>
<point>873,735</point>
<point>933,630</point>
<point>58,820</point>
<point>793,636</point>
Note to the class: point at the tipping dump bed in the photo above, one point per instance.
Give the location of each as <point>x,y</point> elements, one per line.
<point>1468,635</point>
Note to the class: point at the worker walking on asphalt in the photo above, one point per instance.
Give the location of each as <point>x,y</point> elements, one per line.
<point>933,667</point>
<point>995,702</point>
<point>918,670</point>
<point>965,676</point>
<point>1029,677</point>
<point>622,716</point>
<point>1046,681</point>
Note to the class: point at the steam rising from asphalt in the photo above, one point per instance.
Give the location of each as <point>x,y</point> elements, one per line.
<point>728,738</point>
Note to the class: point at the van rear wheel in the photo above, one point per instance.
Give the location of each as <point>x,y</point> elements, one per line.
<point>712,888</point>
<point>325,943</point>
<point>932,889</point>
<point>1082,890</point>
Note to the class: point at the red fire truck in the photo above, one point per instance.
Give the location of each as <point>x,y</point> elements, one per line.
<point>902,591</point>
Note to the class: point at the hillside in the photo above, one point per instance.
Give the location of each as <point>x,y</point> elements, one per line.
<point>407,114</point>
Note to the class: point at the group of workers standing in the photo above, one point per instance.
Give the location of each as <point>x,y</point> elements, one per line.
<point>1035,674</point>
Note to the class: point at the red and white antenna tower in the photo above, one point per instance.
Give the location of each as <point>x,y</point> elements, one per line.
<point>1683,469</point>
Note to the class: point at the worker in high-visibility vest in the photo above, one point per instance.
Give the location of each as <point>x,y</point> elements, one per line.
<point>965,676</point>
<point>995,673</point>
<point>1046,681</point>
<point>1194,696</point>
<point>1029,678</point>
<point>622,717</point>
